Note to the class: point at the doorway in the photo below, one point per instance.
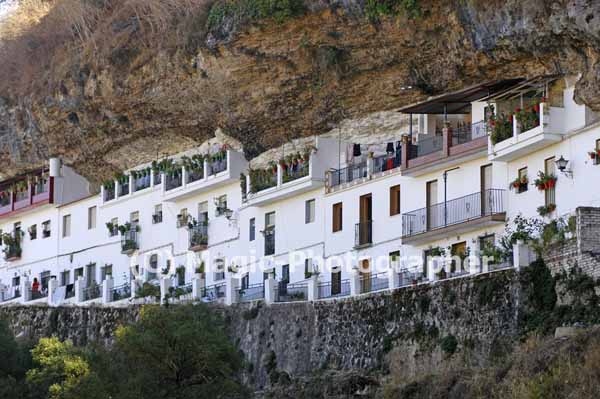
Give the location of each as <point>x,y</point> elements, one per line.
<point>431,200</point>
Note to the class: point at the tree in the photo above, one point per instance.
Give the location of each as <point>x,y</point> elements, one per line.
<point>178,352</point>
<point>14,361</point>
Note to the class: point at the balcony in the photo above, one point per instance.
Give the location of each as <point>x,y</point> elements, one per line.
<point>363,234</point>
<point>293,175</point>
<point>129,242</point>
<point>510,139</point>
<point>216,171</point>
<point>454,146</point>
<point>460,215</point>
<point>21,195</point>
<point>198,237</point>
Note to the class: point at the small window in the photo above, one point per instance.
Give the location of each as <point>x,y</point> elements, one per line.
<point>134,218</point>
<point>308,269</point>
<point>92,218</point>
<point>252,229</point>
<point>394,258</point>
<point>115,227</point>
<point>66,225</point>
<point>32,232</point>
<point>46,229</point>
<point>157,216</point>
<point>309,211</point>
<point>220,269</point>
<point>182,218</point>
<point>337,217</point>
<point>285,273</point>
<point>245,281</point>
<point>78,273</point>
<point>522,181</point>
<point>221,205</point>
<point>394,200</point>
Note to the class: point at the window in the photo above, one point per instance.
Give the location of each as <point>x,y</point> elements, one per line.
<point>245,281</point>
<point>92,218</point>
<point>46,229</point>
<point>308,269</point>
<point>597,155</point>
<point>203,213</point>
<point>65,278</point>
<point>221,205</point>
<point>270,233</point>
<point>285,273</point>
<point>157,216</point>
<point>105,272</point>
<point>523,185</point>
<point>252,229</point>
<point>66,226</point>
<point>394,258</point>
<point>134,218</point>
<point>115,227</point>
<point>182,218</point>
<point>309,211</point>
<point>394,200</point>
<point>337,217</point>
<point>32,232</point>
<point>336,282</point>
<point>78,273</point>
<point>220,269</point>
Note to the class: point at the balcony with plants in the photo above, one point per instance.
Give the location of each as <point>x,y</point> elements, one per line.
<point>197,235</point>
<point>142,179</point>
<point>292,174</point>
<point>129,238</point>
<point>25,191</point>
<point>524,120</point>
<point>12,245</point>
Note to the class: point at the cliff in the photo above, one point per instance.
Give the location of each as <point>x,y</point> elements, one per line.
<point>134,84</point>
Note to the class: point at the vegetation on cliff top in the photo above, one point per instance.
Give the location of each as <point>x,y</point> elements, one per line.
<point>176,352</point>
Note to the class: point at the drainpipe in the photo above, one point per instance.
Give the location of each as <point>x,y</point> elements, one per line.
<point>410,127</point>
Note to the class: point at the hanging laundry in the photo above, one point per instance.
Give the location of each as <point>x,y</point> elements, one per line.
<point>390,147</point>
<point>356,151</point>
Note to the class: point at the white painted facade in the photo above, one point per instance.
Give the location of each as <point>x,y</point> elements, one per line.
<point>568,131</point>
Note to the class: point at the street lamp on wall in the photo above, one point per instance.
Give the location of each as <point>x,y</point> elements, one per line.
<point>561,164</point>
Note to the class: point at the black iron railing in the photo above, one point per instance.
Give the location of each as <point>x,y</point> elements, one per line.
<point>291,292</point>
<point>427,144</point>
<point>213,292</point>
<point>16,294</point>
<point>363,233</point>
<point>333,289</point>
<point>407,278</point>
<point>252,292</point>
<point>198,235</point>
<point>270,241</point>
<point>195,175</point>
<point>94,291</point>
<point>374,282</point>
<point>217,166</point>
<point>295,172</point>
<point>124,188</point>
<point>348,174</point>
<point>387,162</point>
<point>121,292</point>
<point>173,181</point>
<point>460,210</point>
<point>129,241</point>
<point>37,294</point>
<point>109,193</point>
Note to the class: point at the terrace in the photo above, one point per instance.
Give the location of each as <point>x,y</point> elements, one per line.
<point>530,116</point>
<point>454,129</point>
<point>471,212</point>
<point>294,174</point>
<point>25,192</point>
<point>198,237</point>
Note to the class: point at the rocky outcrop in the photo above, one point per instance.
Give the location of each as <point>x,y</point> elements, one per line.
<point>270,80</point>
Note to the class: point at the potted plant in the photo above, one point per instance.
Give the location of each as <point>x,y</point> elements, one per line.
<point>520,184</point>
<point>545,181</point>
<point>200,270</point>
<point>546,210</point>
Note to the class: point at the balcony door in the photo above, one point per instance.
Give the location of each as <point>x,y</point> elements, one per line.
<point>365,276</point>
<point>486,190</point>
<point>366,215</point>
<point>269,233</point>
<point>550,193</point>
<point>203,213</point>
<point>431,199</point>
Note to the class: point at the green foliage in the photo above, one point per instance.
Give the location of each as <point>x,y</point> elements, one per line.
<point>15,359</point>
<point>375,9</point>
<point>501,128</point>
<point>541,297</point>
<point>239,11</point>
<point>449,344</point>
<point>148,290</point>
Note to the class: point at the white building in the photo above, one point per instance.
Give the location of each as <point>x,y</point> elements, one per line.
<point>327,220</point>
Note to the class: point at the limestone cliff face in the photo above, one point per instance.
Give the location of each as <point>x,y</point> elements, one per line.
<point>269,82</point>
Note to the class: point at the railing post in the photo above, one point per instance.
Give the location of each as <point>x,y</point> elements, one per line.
<point>78,290</point>
<point>354,283</point>
<point>205,169</point>
<point>405,150</point>
<point>231,284</point>
<point>393,275</point>
<point>279,175</point>
<point>134,287</point>
<point>116,189</point>
<point>52,285</point>
<point>165,286</point>
<point>25,290</point>
<point>131,183</point>
<point>447,139</point>
<point>313,288</point>
<point>184,176</point>
<point>270,287</point>
<point>107,290</point>
<point>370,165</point>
